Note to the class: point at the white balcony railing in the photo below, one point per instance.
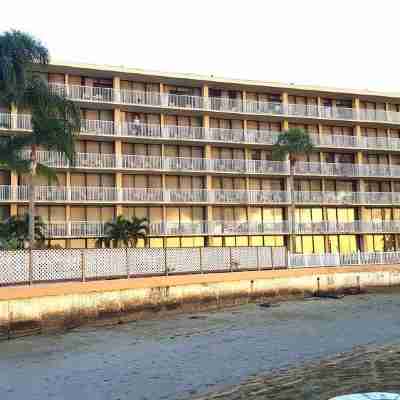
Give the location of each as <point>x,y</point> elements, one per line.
<point>326,197</point>
<point>346,169</point>
<point>9,193</point>
<point>97,127</point>
<point>226,104</point>
<point>22,122</point>
<point>326,227</point>
<point>96,229</point>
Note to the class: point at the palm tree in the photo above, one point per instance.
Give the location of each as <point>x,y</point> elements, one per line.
<point>124,231</point>
<point>14,232</point>
<point>292,143</point>
<point>138,229</point>
<point>55,119</point>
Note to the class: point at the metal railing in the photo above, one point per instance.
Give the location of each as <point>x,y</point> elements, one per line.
<point>10,193</point>
<point>226,104</point>
<point>96,228</point>
<point>326,227</point>
<point>335,260</point>
<point>151,131</point>
<point>97,127</point>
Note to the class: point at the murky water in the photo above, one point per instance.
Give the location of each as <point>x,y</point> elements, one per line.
<point>247,352</point>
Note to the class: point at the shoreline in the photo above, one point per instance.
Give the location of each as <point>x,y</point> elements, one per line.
<point>61,307</point>
<point>324,378</point>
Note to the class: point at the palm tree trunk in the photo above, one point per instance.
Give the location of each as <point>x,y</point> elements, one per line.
<point>31,229</point>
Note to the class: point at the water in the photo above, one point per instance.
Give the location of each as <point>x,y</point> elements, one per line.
<point>298,350</point>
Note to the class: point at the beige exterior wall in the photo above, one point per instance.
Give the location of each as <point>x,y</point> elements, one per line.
<point>169,115</point>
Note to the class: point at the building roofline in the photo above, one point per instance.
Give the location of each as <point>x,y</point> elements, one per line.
<point>224,80</point>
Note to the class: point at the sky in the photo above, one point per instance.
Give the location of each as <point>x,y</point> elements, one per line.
<point>339,43</point>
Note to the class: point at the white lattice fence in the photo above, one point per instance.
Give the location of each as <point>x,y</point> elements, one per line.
<point>265,257</point>
<point>215,259</point>
<point>146,261</point>
<point>183,260</point>
<point>81,264</point>
<point>14,267</point>
<point>244,258</point>
<point>102,263</point>
<point>56,265</point>
<point>279,257</point>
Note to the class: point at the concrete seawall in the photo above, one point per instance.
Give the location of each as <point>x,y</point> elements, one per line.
<point>53,307</point>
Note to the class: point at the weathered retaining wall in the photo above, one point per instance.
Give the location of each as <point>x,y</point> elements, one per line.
<point>52,307</point>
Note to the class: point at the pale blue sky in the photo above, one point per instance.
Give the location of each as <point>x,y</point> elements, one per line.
<point>342,43</point>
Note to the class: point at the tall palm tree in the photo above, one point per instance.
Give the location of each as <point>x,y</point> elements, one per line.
<point>124,231</point>
<point>292,143</point>
<point>55,119</point>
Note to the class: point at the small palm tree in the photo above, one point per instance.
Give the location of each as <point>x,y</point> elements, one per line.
<point>291,143</point>
<point>55,119</point>
<point>124,231</point>
<point>138,229</point>
<point>14,232</point>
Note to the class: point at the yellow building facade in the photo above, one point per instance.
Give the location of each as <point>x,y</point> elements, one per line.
<point>193,155</point>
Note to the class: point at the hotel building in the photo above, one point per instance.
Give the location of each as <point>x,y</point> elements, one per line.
<point>193,154</point>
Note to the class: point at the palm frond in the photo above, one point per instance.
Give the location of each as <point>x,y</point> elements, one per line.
<point>48,172</point>
<point>18,51</point>
<point>294,141</point>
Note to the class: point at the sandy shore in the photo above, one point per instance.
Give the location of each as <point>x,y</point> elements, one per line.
<point>189,356</point>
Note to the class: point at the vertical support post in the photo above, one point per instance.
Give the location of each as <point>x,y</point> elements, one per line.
<point>83,274</point>
<point>230,259</point>
<point>201,259</point>
<point>272,258</point>
<point>30,267</point>
<point>128,275</point>
<point>165,261</point>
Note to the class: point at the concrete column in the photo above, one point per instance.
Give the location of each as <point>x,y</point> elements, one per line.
<point>118,174</point>
<point>204,94</point>
<point>14,191</point>
<point>117,87</point>
<point>356,107</point>
<point>387,109</point>
<point>14,115</point>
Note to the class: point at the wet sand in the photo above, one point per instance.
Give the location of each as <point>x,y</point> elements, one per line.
<point>205,355</point>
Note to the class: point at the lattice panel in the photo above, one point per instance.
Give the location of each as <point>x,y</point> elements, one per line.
<point>100,263</point>
<point>56,264</point>
<point>279,257</point>
<point>244,258</point>
<point>146,261</point>
<point>264,257</point>
<point>14,267</point>
<point>215,259</point>
<point>183,260</point>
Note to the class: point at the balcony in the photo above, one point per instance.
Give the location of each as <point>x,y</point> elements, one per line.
<point>96,229</point>
<point>213,196</point>
<point>238,166</point>
<point>326,169</point>
<point>85,93</point>
<point>221,104</point>
<point>354,227</point>
<point>338,141</point>
<point>97,127</point>
<point>20,122</point>
<point>337,198</point>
